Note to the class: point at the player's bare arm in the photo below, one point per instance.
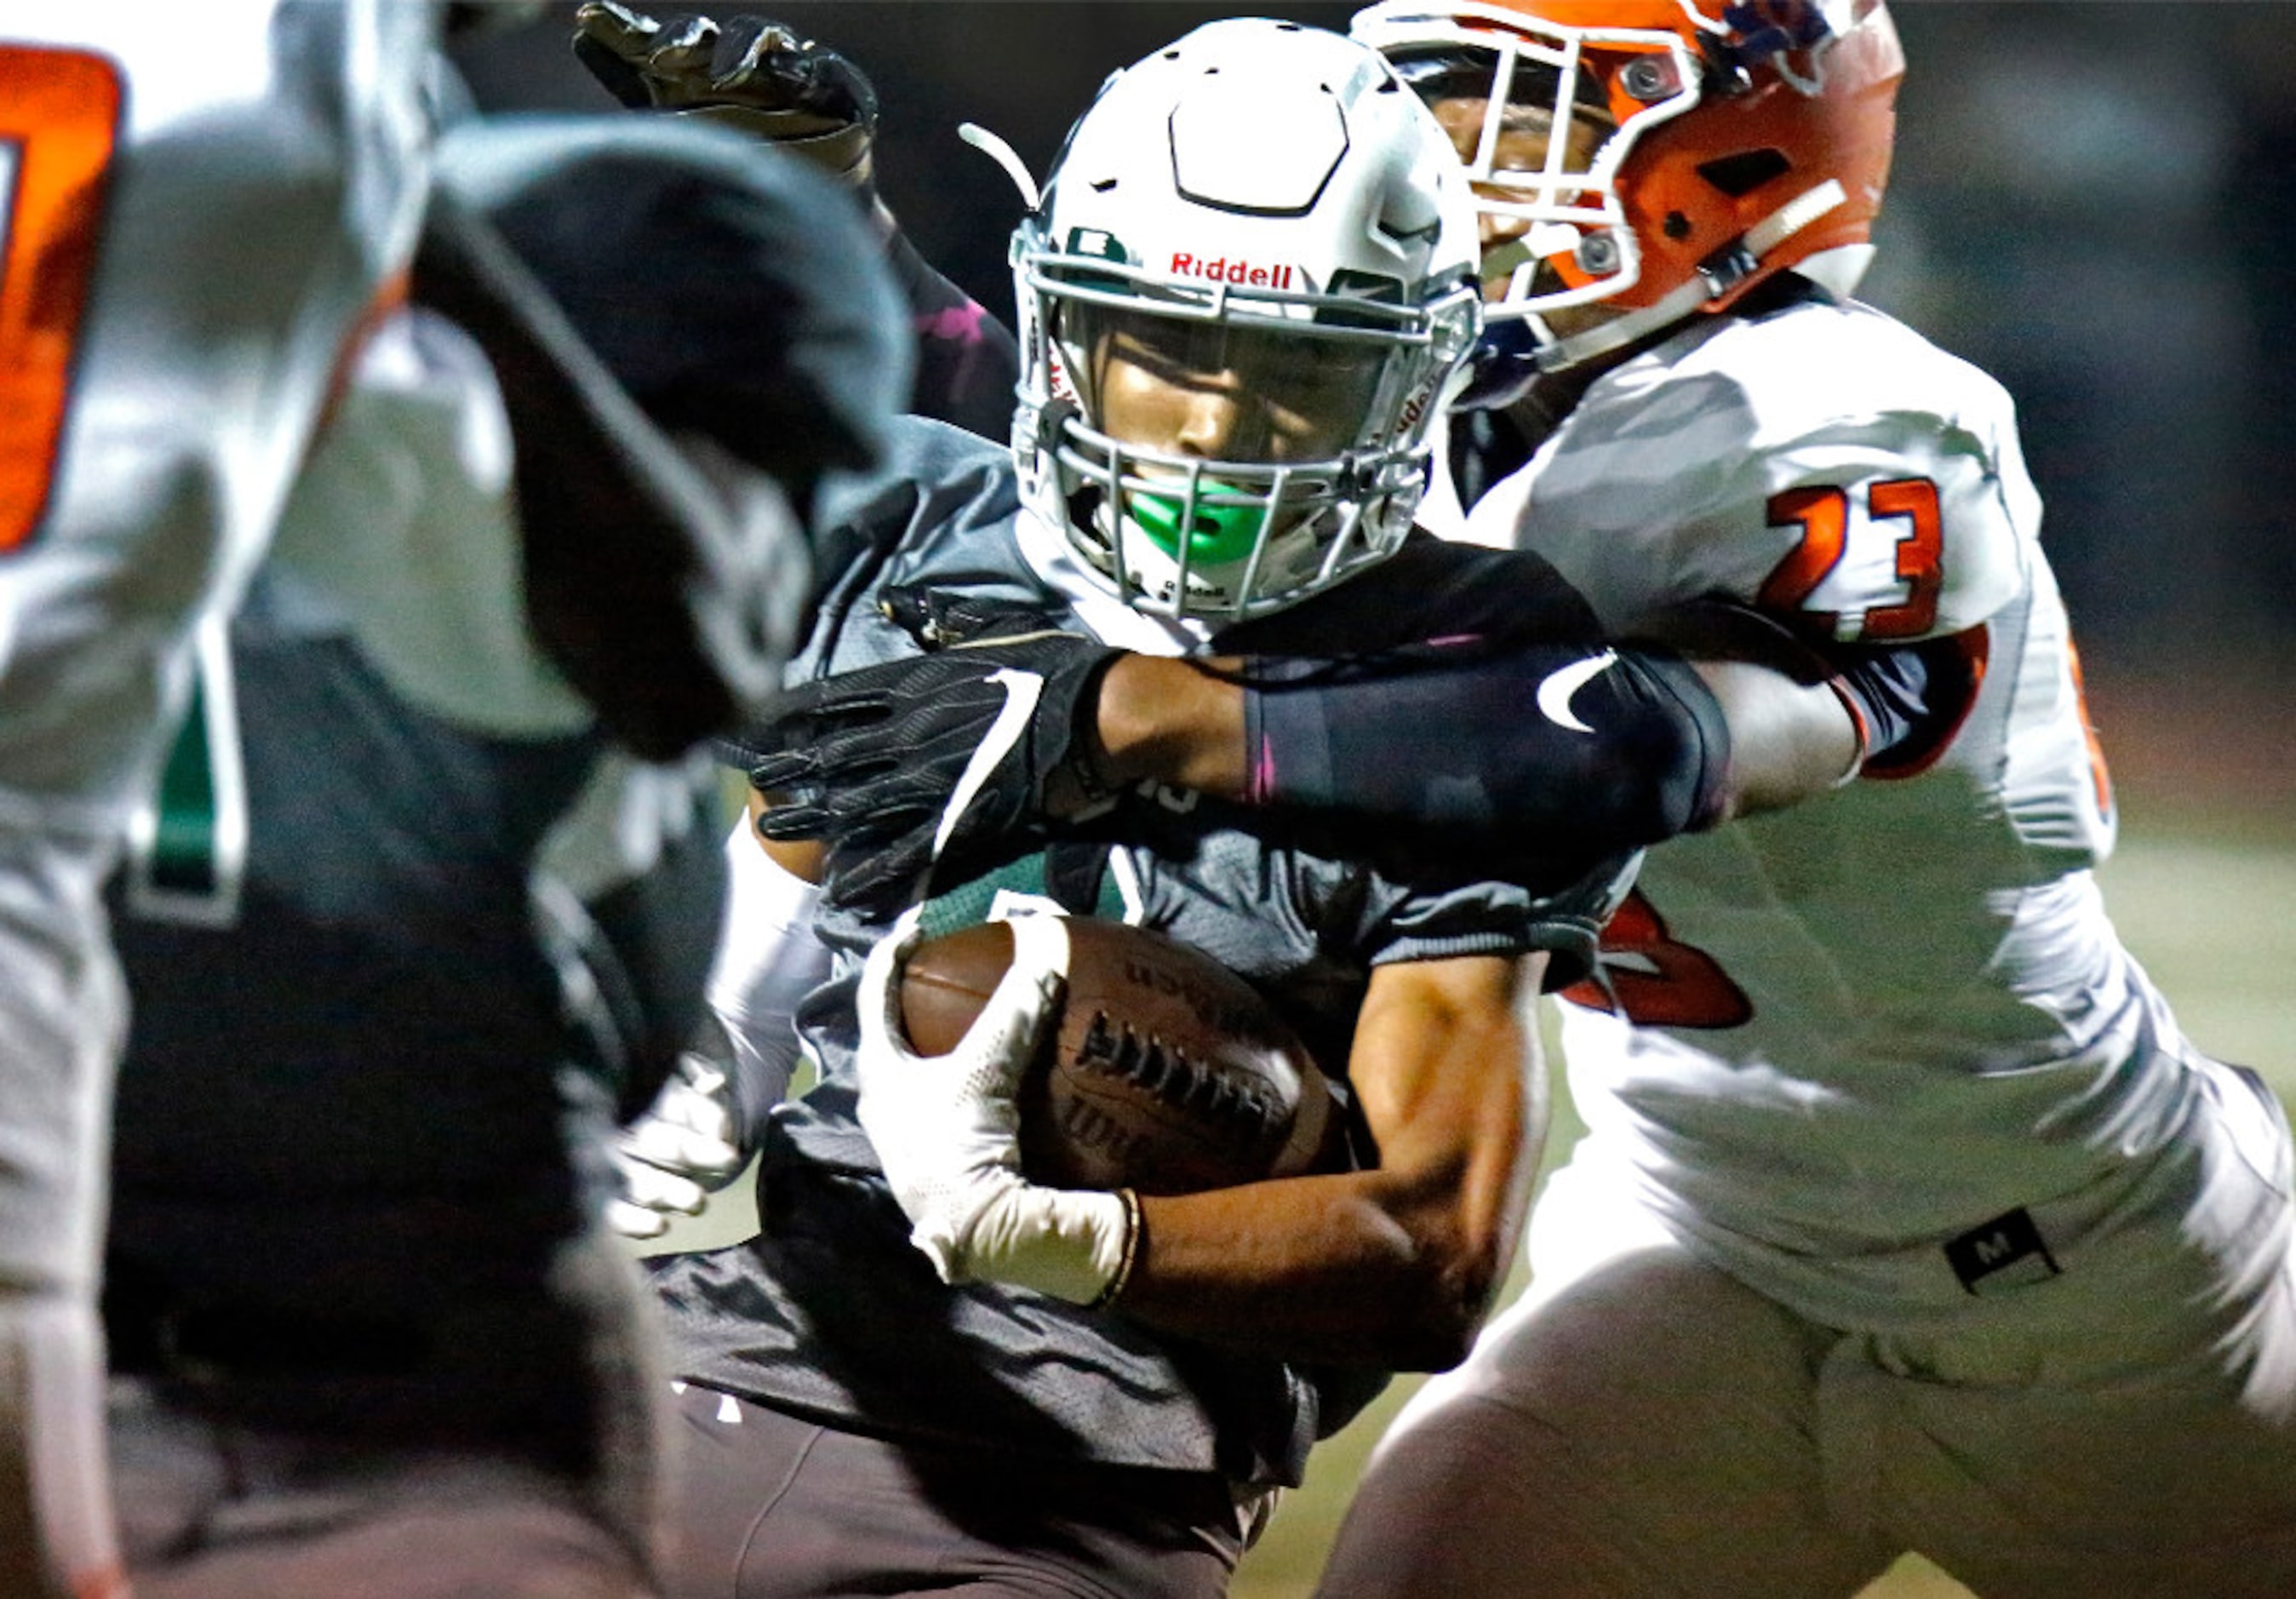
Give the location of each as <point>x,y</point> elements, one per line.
<point>1393,1266</point>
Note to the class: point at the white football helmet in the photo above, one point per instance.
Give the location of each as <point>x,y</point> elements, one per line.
<point>1242,297</point>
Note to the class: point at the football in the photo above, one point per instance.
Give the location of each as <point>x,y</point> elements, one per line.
<point>1165,1073</point>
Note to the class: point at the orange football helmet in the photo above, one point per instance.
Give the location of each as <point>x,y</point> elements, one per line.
<point>1662,157</point>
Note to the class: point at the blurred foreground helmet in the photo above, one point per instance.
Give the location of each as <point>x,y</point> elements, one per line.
<point>1242,296</point>
<point>1659,157</point>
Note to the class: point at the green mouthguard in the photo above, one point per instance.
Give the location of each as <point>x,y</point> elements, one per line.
<point>1217,536</point>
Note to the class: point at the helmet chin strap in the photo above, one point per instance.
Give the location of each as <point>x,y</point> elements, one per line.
<point>1717,275</point>
<point>1558,355</point>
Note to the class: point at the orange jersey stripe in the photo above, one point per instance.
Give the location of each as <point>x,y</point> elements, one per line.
<point>59,123</point>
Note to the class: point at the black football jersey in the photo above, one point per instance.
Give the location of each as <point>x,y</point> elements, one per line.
<point>829,1310</point>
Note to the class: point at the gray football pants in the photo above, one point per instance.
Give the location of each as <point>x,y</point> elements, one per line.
<point>764,1505</point>
<point>212,1509</point>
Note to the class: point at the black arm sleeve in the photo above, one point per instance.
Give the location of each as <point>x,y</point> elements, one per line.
<point>1494,738</point>
<point>1612,748</point>
<point>967,362</point>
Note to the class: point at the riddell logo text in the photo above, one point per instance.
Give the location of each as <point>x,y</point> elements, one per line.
<point>1219,269</point>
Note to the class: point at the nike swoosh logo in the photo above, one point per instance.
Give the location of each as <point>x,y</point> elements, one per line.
<point>1021,691</point>
<point>1554,691</point>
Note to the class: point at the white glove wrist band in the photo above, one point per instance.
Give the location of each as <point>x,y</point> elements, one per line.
<point>1074,1244</point>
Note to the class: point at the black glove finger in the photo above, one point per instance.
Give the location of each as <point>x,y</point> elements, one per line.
<point>851,787</point>
<point>774,738</point>
<point>795,813</point>
<point>853,695</point>
<point>770,63</point>
<point>679,63</point>
<point>796,824</point>
<point>794,734</point>
<point>833,86</point>
<point>757,50</point>
<point>812,810</point>
<point>612,41</point>
<point>876,883</point>
<point>821,730</point>
<point>784,773</point>
<point>899,799</point>
<point>862,751</point>
<point>839,754</point>
<point>920,741</point>
<point>844,807</point>
<point>859,716</point>
<point>871,804</point>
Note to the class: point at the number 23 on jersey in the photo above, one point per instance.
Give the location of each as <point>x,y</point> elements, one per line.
<point>1824,514</point>
<point>58,122</point>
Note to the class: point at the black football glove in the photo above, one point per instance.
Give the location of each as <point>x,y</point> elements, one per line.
<point>923,766</point>
<point>760,76</point>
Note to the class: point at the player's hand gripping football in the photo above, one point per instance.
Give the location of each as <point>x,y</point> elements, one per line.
<point>757,75</point>
<point>683,1150</point>
<point>934,759</point>
<point>947,1131</point>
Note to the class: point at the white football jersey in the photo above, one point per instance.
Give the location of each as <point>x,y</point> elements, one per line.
<point>1873,1027</point>
<point>201,203</point>
<point>197,203</point>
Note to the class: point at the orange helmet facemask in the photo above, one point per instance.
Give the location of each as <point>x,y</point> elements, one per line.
<point>1654,158</point>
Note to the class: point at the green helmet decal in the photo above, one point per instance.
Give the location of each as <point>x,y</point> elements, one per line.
<point>1218,534</point>
<point>1097,242</point>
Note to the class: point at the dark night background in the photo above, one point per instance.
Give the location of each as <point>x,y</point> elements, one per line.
<point>2091,201</point>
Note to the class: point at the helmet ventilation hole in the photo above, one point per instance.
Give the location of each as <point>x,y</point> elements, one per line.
<point>1745,172</point>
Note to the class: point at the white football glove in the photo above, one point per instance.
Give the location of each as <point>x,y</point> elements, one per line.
<point>947,1131</point>
<point>677,1154</point>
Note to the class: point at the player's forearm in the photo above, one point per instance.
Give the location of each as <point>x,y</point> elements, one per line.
<point>1625,747</point>
<point>1358,1269</point>
<point>1394,1268</point>
<point>1173,722</point>
<point>1788,741</point>
<point>1616,747</point>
